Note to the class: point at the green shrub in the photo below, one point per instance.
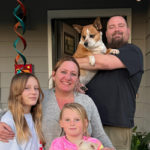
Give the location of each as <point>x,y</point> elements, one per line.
<point>140,140</point>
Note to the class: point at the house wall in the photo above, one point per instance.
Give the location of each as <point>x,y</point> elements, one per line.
<point>37,46</point>
<point>36,51</point>
<point>146,102</point>
<point>139,38</point>
<point>142,39</point>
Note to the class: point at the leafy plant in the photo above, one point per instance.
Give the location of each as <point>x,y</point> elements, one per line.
<point>140,140</point>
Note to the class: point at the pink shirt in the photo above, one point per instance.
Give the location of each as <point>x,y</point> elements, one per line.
<point>61,143</point>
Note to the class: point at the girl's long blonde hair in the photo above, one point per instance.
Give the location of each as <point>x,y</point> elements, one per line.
<point>15,105</point>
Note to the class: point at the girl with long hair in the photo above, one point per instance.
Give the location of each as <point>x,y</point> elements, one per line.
<point>25,113</point>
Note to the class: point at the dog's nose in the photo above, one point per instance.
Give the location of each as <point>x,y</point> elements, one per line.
<point>86,44</point>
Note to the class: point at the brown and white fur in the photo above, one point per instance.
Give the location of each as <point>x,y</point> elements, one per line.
<point>90,43</point>
<point>85,145</point>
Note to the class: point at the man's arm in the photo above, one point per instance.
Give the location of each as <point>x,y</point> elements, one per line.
<point>105,62</point>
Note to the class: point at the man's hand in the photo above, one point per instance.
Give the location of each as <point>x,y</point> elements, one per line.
<point>6,132</point>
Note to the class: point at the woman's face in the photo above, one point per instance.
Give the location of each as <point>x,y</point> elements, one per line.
<point>66,76</point>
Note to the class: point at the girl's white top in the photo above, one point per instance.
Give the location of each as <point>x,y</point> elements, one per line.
<point>31,144</point>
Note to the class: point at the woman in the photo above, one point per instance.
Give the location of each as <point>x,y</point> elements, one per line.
<point>66,77</point>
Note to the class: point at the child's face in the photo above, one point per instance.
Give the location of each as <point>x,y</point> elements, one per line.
<point>30,94</point>
<point>72,123</point>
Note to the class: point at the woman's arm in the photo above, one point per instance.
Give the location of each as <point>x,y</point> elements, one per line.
<point>6,132</point>
<point>11,145</point>
<point>7,140</point>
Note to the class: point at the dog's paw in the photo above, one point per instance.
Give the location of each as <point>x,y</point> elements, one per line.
<point>114,51</point>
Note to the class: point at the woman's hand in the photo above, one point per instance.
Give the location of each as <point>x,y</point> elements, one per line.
<point>80,87</point>
<point>6,132</point>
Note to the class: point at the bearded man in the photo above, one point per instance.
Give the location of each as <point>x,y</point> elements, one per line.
<point>114,87</point>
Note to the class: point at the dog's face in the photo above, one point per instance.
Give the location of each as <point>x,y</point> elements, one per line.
<point>85,145</point>
<point>91,36</point>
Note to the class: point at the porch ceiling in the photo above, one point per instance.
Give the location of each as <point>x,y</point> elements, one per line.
<point>119,3</point>
<point>96,4</point>
<point>125,3</point>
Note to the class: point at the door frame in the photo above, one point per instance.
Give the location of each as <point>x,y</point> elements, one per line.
<point>85,13</point>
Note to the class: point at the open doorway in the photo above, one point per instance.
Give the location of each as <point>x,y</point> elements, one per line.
<point>65,38</point>
<point>60,29</point>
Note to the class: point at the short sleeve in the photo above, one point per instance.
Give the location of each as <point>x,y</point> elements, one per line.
<point>132,58</point>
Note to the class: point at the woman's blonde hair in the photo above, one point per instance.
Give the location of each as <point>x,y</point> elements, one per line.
<point>17,86</point>
<point>81,111</point>
<point>66,58</point>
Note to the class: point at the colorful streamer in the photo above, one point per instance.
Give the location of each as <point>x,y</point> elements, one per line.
<point>20,37</point>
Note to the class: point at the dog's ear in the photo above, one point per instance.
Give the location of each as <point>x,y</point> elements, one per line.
<point>78,28</point>
<point>97,24</point>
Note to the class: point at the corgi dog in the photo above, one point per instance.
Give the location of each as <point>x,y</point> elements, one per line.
<point>90,43</point>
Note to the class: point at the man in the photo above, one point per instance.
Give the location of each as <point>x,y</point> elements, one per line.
<point>114,87</point>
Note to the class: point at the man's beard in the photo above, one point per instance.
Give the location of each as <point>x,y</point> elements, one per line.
<point>117,43</point>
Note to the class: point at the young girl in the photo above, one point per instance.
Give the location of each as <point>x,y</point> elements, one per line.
<point>74,122</point>
<point>25,114</point>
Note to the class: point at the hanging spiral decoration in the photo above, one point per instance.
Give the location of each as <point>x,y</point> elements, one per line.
<point>19,24</point>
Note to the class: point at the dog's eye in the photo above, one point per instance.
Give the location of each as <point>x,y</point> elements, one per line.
<point>84,37</point>
<point>92,35</point>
